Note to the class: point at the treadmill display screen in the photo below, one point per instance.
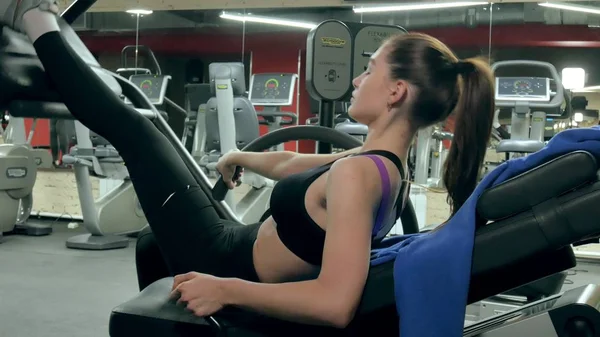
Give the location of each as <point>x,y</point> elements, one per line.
<point>272,89</point>
<point>523,88</point>
<point>153,86</point>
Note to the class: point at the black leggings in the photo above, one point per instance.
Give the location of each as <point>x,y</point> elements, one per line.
<point>60,137</point>
<point>186,227</point>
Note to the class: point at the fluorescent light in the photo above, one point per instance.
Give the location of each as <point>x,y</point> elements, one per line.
<point>418,6</point>
<point>139,11</point>
<point>573,78</point>
<point>270,21</point>
<point>569,7</point>
<point>595,88</point>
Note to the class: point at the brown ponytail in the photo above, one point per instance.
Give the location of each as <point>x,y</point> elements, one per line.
<point>474,114</point>
<point>448,85</point>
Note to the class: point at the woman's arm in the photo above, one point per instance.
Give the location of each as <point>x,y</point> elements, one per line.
<point>332,298</point>
<point>280,164</point>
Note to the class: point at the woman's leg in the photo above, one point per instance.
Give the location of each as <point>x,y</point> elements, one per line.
<point>149,261</point>
<point>63,137</point>
<point>186,226</point>
<point>151,266</point>
<point>54,141</point>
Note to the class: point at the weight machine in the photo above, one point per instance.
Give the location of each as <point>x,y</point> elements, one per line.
<point>273,91</point>
<point>21,162</point>
<point>530,102</point>
<point>231,122</point>
<point>429,156</point>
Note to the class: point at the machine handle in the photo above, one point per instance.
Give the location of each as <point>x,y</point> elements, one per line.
<point>147,50</point>
<point>292,117</point>
<point>312,121</point>
<point>287,122</point>
<point>277,114</point>
<point>315,120</point>
<point>76,9</point>
<point>442,135</point>
<point>220,189</point>
<point>556,101</point>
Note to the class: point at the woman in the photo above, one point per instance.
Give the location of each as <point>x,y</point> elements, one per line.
<point>308,263</point>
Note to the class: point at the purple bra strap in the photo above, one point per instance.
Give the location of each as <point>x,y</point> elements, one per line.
<point>386,195</point>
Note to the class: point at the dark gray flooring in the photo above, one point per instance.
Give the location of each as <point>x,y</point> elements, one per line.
<point>47,290</point>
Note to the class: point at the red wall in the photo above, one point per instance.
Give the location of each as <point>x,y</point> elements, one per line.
<point>215,42</point>
<point>41,136</point>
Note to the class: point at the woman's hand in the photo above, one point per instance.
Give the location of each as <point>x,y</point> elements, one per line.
<point>202,293</point>
<point>226,168</point>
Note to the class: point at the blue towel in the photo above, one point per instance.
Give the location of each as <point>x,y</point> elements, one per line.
<point>432,271</point>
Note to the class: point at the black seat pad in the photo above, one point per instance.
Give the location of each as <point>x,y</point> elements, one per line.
<point>507,253</point>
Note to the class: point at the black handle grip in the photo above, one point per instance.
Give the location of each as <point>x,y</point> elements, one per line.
<point>503,133</point>
<point>220,189</point>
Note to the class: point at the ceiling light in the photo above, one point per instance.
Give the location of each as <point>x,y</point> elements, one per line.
<point>569,7</point>
<point>573,78</point>
<point>270,21</point>
<point>139,11</point>
<point>418,6</point>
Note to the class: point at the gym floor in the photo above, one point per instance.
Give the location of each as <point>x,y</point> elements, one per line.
<point>51,291</point>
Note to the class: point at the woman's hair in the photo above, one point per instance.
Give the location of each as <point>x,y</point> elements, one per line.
<point>444,85</point>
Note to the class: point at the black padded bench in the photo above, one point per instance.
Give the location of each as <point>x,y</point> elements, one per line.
<point>526,222</point>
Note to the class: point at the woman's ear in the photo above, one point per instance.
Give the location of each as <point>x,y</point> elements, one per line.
<point>399,92</point>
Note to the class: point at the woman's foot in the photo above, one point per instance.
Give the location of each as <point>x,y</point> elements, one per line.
<point>12,11</point>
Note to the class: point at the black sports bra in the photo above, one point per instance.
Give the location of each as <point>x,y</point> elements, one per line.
<point>297,230</point>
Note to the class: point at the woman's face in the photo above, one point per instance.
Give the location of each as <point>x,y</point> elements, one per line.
<point>371,96</point>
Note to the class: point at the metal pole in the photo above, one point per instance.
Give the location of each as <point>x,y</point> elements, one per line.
<point>490,34</point>
<point>137,41</point>
<point>244,39</point>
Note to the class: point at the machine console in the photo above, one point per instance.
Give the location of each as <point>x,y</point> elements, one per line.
<point>272,89</point>
<point>154,86</point>
<point>523,89</point>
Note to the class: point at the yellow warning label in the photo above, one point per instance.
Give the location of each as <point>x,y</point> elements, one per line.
<point>333,41</point>
<point>222,86</point>
<point>538,119</point>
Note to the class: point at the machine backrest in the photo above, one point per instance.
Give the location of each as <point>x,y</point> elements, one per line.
<point>525,229</point>
<point>236,73</point>
<point>246,123</point>
<point>246,119</point>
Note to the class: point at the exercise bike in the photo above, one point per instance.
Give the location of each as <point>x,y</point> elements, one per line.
<point>429,156</point>
<point>21,162</point>
<point>231,122</point>
<point>529,101</point>
<point>117,213</point>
